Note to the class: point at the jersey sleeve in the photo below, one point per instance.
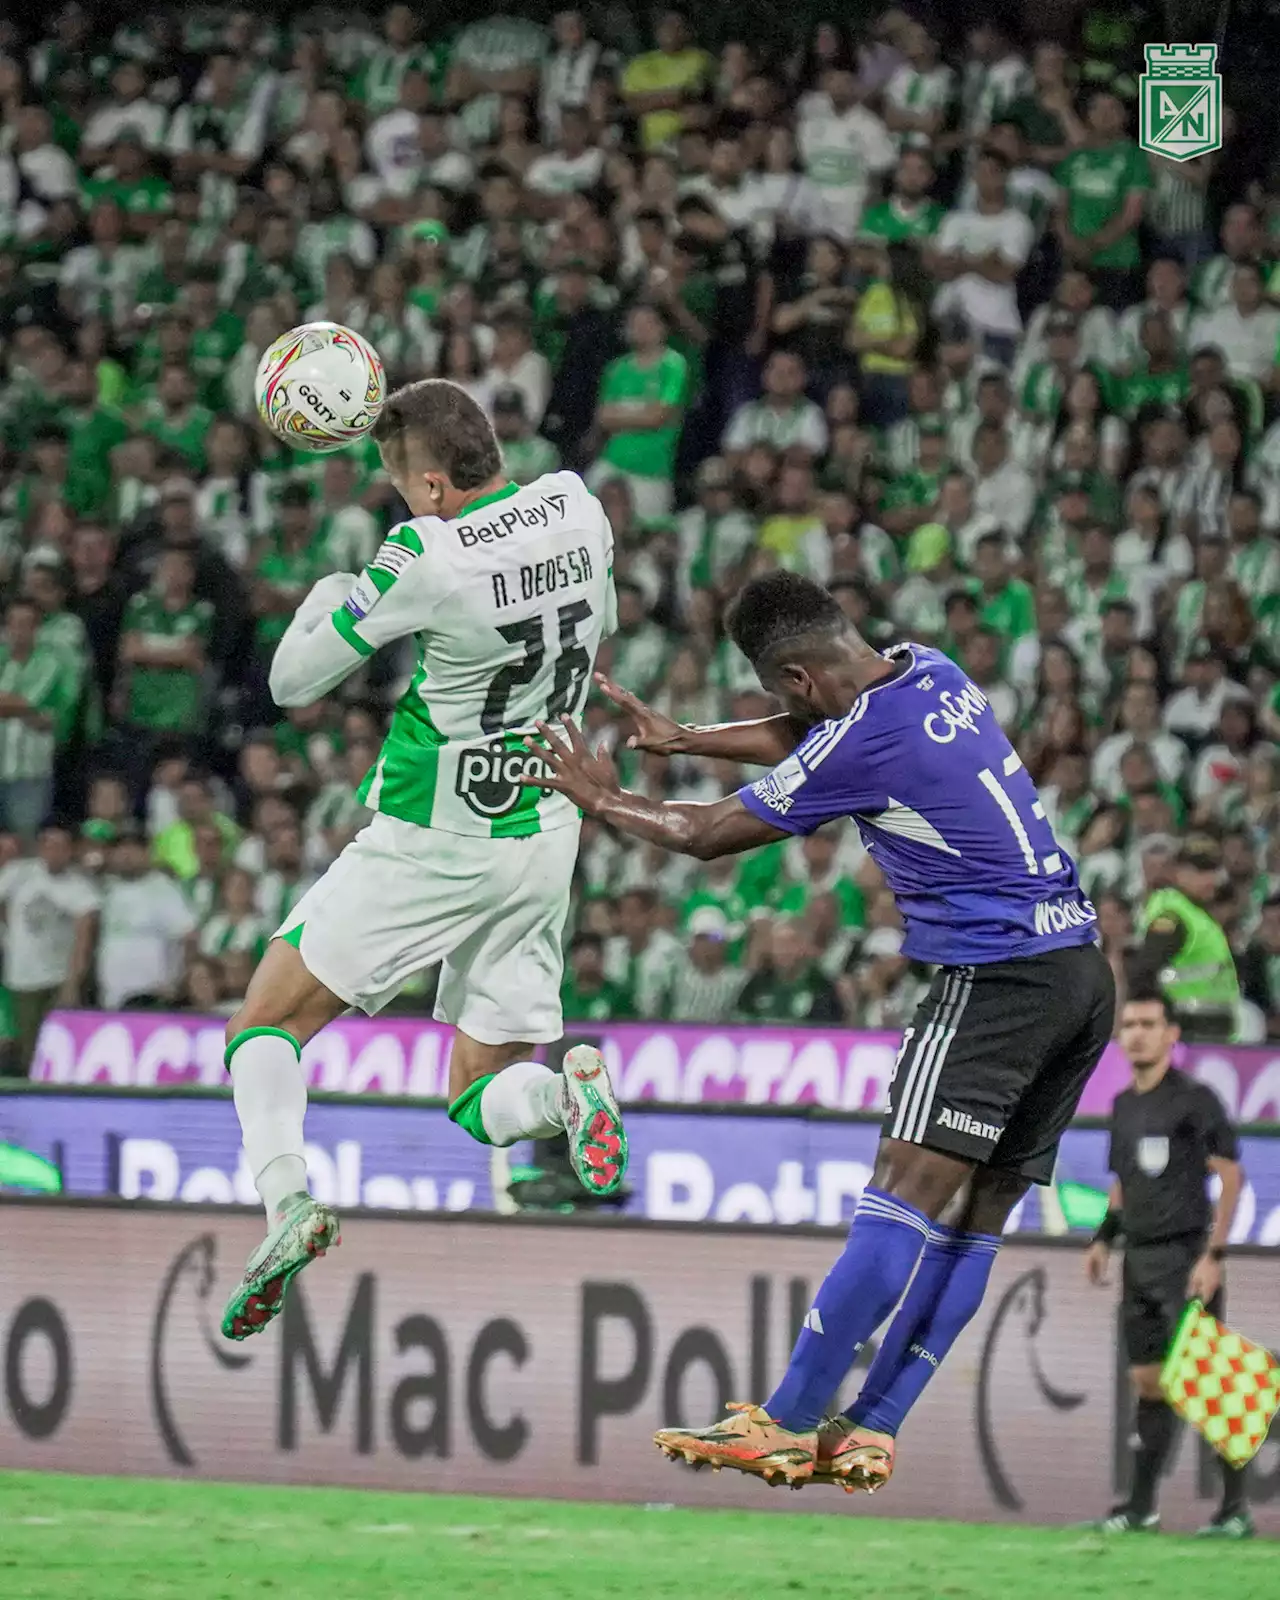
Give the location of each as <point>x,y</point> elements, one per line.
<point>344,620</point>
<point>818,783</point>
<point>392,597</point>
<point>1215,1127</point>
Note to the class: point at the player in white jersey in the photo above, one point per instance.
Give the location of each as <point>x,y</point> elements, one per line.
<point>507,593</point>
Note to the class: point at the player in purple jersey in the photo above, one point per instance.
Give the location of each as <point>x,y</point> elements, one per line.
<point>993,1065</point>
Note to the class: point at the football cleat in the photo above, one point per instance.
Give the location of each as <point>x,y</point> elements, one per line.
<point>748,1440</point>
<point>302,1231</point>
<point>1122,1520</point>
<point>858,1459</point>
<point>593,1122</point>
<point>1238,1525</point>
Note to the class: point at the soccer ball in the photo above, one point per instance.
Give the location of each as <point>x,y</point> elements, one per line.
<point>320,387</point>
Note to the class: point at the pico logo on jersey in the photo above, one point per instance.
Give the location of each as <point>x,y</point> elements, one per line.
<point>956,713</point>
<point>492,779</point>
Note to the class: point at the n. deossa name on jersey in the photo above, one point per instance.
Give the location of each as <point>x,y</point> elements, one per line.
<point>946,810</point>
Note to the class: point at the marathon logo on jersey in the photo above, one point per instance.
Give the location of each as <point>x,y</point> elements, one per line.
<point>956,713</point>
<point>1061,915</point>
<point>493,780</point>
<point>962,1122</point>
<point>777,789</point>
<point>537,514</point>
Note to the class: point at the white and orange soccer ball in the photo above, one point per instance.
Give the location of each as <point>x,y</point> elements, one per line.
<point>320,387</point>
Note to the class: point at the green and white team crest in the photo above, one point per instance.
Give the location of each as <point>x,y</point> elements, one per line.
<point>1180,109</point>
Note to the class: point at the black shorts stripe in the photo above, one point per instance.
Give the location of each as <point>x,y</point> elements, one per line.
<point>993,1066</point>
<point>929,1047</point>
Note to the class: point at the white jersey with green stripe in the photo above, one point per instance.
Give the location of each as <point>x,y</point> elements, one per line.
<point>507,605</point>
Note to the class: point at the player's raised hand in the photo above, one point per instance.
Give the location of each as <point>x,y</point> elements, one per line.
<point>653,731</point>
<point>571,767</point>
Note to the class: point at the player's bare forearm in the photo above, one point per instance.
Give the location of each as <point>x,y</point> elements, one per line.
<point>1232,1175</point>
<point>762,743</point>
<point>589,779</point>
<point>722,828</point>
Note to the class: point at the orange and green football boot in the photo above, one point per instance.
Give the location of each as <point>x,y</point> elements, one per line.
<point>855,1458</point>
<point>748,1440</point>
<point>593,1122</point>
<point>302,1230</point>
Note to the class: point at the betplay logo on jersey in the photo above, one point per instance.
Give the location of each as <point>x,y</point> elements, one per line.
<point>1180,108</point>
<point>492,778</point>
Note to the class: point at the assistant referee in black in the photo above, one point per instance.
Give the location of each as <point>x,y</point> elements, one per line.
<point>1169,1133</point>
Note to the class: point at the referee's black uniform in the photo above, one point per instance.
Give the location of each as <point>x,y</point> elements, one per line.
<point>1161,1143</point>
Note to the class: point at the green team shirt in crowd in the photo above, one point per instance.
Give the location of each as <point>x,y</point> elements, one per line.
<point>898,221</point>
<point>1097,182</point>
<point>211,351</point>
<point>795,897</point>
<point>185,433</point>
<point>610,1002</point>
<point>140,197</point>
<point>27,752</point>
<point>523,460</point>
<point>1153,388</point>
<point>293,571</point>
<point>649,452</point>
<point>1011,611</point>
<point>167,699</point>
<point>917,488</point>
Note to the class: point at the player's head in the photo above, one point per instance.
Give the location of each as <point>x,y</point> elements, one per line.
<point>1148,1030</point>
<point>438,447</point>
<point>797,637</point>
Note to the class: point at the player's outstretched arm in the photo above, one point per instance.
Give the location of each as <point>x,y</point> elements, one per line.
<point>723,828</point>
<point>314,657</point>
<point>762,743</point>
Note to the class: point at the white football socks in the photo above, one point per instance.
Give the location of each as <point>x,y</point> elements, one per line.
<point>521,1102</point>
<point>271,1101</point>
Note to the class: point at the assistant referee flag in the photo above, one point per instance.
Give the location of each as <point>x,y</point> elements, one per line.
<point>1226,1387</point>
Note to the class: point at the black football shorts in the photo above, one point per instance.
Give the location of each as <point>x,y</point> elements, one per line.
<point>996,1058</point>
<point>1154,1296</point>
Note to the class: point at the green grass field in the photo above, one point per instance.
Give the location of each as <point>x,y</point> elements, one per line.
<point>65,1538</point>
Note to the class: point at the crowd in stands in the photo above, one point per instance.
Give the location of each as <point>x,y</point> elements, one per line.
<point>905,308</point>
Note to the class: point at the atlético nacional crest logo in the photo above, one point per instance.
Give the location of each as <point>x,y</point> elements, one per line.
<point>1180,110</point>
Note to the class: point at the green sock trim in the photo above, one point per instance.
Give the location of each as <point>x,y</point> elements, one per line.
<point>258,1033</point>
<point>465,1110</point>
<point>294,936</point>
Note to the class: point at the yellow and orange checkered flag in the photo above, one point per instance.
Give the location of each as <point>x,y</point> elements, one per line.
<point>1226,1387</point>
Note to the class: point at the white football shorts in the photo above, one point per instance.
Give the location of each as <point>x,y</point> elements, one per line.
<point>401,898</point>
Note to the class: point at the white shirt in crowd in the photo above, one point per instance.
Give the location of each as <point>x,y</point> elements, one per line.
<point>1248,344</point>
<point>1191,715</point>
<point>989,307</point>
<point>144,922</point>
<point>49,173</point>
<point>842,151</point>
<point>530,377</point>
<point>1168,753</point>
<point>1008,496</point>
<point>142,116</point>
<point>557,173</point>
<point>42,909</point>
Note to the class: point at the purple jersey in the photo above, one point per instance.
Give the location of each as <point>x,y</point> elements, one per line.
<point>946,810</point>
